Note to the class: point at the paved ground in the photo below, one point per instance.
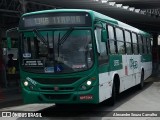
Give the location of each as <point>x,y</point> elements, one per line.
<point>132,100</point>
<point>10,96</point>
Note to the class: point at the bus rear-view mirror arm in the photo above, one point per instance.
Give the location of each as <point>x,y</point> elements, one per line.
<point>9,43</point>
<point>104,35</point>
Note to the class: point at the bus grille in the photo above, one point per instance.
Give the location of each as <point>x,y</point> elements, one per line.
<point>56,80</point>
<point>59,89</point>
<point>57,96</point>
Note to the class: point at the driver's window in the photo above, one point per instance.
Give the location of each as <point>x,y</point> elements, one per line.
<point>101,47</point>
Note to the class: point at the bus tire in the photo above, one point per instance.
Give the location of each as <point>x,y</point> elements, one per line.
<point>59,105</point>
<point>112,100</point>
<point>141,84</point>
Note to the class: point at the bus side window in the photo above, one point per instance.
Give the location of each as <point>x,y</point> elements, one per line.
<point>135,45</point>
<point>144,45</point>
<point>140,44</point>
<point>128,42</point>
<point>151,43</point>
<point>111,41</point>
<point>103,57</point>
<point>148,45</point>
<point>120,41</point>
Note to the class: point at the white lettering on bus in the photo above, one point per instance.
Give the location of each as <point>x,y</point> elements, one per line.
<point>116,62</point>
<point>41,21</point>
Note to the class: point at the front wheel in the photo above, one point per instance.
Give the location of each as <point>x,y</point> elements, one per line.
<point>141,85</point>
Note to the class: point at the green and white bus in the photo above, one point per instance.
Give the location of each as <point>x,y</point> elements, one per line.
<point>80,56</point>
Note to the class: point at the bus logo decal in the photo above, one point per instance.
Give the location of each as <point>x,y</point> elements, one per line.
<point>30,80</point>
<point>56,88</point>
<point>133,64</point>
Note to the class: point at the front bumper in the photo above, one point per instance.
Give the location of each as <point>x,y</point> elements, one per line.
<point>74,97</point>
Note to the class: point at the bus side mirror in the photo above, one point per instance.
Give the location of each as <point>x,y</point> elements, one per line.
<point>104,35</point>
<point>9,43</point>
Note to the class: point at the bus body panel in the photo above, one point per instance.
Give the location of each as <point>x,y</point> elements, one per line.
<point>128,77</point>
<point>105,86</point>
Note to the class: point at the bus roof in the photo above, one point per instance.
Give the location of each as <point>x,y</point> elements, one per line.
<point>95,15</point>
<point>119,23</point>
<point>57,10</point>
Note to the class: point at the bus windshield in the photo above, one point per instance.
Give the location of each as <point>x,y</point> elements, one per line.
<point>57,51</point>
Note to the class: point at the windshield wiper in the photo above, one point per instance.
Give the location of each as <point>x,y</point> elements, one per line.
<point>65,36</point>
<point>63,39</point>
<point>38,34</point>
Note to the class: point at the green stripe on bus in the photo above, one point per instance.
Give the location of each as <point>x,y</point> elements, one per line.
<point>115,62</point>
<point>146,58</point>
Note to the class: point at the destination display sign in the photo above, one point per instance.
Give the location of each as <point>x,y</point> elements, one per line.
<point>33,63</point>
<point>56,20</point>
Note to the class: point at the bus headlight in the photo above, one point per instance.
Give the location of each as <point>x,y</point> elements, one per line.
<point>25,83</point>
<point>87,84</point>
<point>30,84</point>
